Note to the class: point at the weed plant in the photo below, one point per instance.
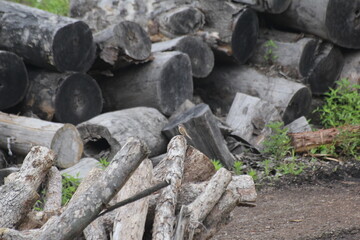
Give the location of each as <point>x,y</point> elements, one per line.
<point>60,7</point>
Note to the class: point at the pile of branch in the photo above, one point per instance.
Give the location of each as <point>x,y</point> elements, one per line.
<point>119,201</point>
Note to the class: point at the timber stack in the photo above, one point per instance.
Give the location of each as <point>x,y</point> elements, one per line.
<point>116,79</point>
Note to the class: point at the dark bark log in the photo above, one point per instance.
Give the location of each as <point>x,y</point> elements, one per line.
<point>19,193</point>
<point>62,97</point>
<point>334,20</point>
<point>13,79</point>
<point>201,56</point>
<point>45,39</point>
<point>351,69</point>
<point>120,45</point>
<point>272,6</point>
<point>79,214</point>
<point>291,99</point>
<point>105,134</point>
<point>249,117</point>
<point>163,83</point>
<point>204,132</point>
<point>24,133</point>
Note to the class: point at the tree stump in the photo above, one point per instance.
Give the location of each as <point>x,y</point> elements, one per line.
<point>46,40</point>
<point>13,79</point>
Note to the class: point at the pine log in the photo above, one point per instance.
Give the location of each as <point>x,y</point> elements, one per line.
<point>305,141</point>
<point>130,219</point>
<point>298,125</point>
<point>351,69</point>
<point>24,133</point>
<point>120,45</point>
<point>46,40</point>
<point>62,97</point>
<point>163,83</point>
<point>249,117</point>
<point>79,214</point>
<point>19,193</point>
<point>105,134</point>
<point>204,133</point>
<point>13,79</point>
<point>334,20</point>
<point>164,220</point>
<point>273,6</point>
<point>201,56</point>
<point>291,99</point>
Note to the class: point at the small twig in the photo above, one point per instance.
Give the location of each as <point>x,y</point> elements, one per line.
<point>136,197</point>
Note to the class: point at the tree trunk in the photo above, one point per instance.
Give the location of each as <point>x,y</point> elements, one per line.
<point>291,99</point>
<point>62,97</point>
<point>334,20</point>
<point>272,6</point>
<point>201,56</point>
<point>120,45</point>
<point>204,133</point>
<point>130,219</point>
<point>105,134</point>
<point>164,84</point>
<point>80,213</point>
<point>249,117</point>
<point>13,79</point>
<point>45,39</point>
<point>164,220</point>
<point>19,194</point>
<point>22,133</point>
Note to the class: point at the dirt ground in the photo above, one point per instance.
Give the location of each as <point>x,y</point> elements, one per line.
<point>322,210</point>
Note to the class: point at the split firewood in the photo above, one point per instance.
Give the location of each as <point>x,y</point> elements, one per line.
<point>203,133</point>
<point>14,79</point>
<point>62,97</point>
<point>105,134</point>
<point>120,45</point>
<point>19,194</point>
<point>53,42</point>
<point>19,134</point>
<point>164,220</point>
<point>304,141</point>
<point>164,83</point>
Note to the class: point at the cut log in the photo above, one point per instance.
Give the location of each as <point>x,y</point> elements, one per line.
<point>13,79</point>
<point>105,134</point>
<point>351,69</point>
<point>305,141</point>
<point>62,97</point>
<point>298,125</point>
<point>120,45</point>
<point>18,195</point>
<point>201,56</point>
<point>272,6</point>
<point>164,83</point>
<point>164,220</point>
<point>53,191</point>
<point>79,214</point>
<point>317,64</point>
<point>334,20</point>
<point>4,172</point>
<point>204,133</point>
<point>291,99</point>
<point>46,40</point>
<point>130,219</point>
<point>24,133</point>
<point>82,168</point>
<point>249,117</point>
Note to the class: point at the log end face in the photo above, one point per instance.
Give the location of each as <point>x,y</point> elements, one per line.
<point>74,48</point>
<point>245,35</point>
<point>13,79</point>
<point>307,57</point>
<point>299,105</point>
<point>79,98</point>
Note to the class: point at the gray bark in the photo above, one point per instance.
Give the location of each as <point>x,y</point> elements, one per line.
<point>351,69</point>
<point>270,6</point>
<point>299,125</point>
<point>53,191</point>
<point>13,79</point>
<point>105,134</point>
<point>46,40</point>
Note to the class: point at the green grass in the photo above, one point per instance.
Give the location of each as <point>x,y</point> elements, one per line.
<point>60,7</point>
<point>69,186</point>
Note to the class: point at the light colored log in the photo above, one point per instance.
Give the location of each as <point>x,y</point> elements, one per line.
<point>53,191</point>
<point>299,125</point>
<point>19,193</point>
<point>164,220</point>
<point>24,133</point>
<point>351,69</point>
<point>272,6</point>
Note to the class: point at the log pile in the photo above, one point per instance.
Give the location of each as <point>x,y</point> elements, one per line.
<point>215,72</point>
